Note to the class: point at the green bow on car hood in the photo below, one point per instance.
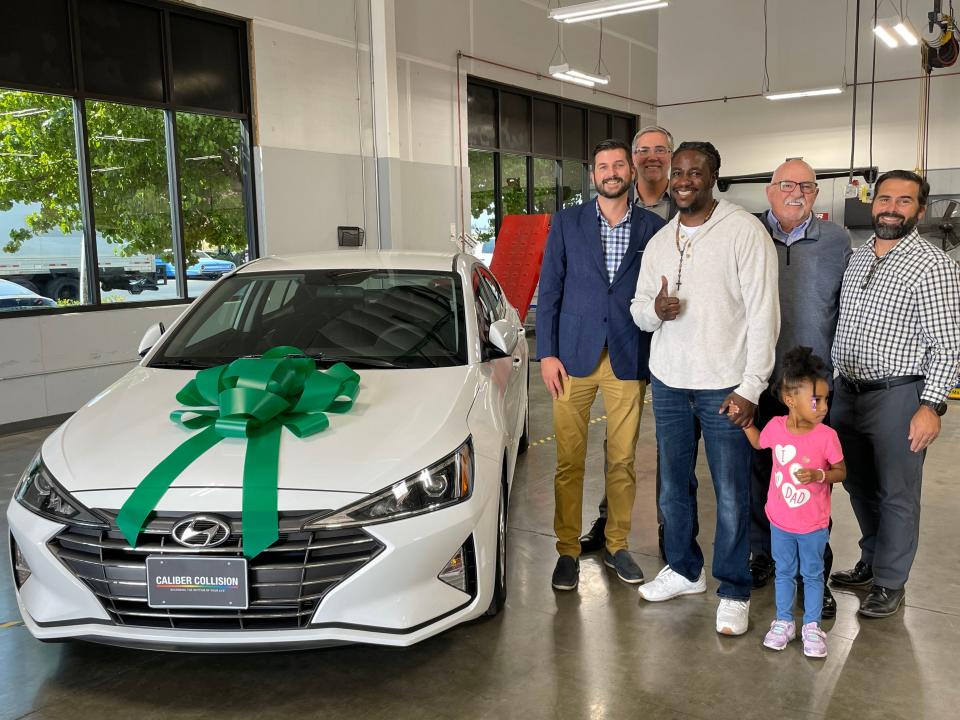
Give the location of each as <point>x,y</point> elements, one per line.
<point>252,398</point>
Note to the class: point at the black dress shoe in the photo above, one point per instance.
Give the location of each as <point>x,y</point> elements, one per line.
<point>566,574</point>
<point>594,540</point>
<point>627,569</point>
<point>761,569</point>
<point>860,576</point>
<point>881,602</point>
<point>829,604</point>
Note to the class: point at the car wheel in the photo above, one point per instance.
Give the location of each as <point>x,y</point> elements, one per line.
<point>525,435</point>
<point>500,571</point>
<point>63,288</point>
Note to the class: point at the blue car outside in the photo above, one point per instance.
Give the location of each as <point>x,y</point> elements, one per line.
<point>205,267</point>
<point>209,267</point>
<point>164,269</point>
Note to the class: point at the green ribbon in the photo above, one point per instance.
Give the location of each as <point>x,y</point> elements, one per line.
<point>252,398</point>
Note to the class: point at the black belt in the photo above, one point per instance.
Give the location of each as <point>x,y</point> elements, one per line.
<point>860,386</point>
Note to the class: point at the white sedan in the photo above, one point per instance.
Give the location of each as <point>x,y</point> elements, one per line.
<point>390,524</point>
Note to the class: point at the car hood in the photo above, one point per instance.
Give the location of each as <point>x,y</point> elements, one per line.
<point>401,422</point>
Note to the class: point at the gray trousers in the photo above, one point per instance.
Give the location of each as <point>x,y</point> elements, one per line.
<point>883,475</point>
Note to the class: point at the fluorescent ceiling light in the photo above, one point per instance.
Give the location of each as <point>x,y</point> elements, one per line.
<point>598,79</point>
<point>120,138</point>
<point>563,72</point>
<point>881,32</point>
<point>602,8</point>
<point>803,93</point>
<point>574,80</point>
<point>25,112</point>
<point>904,29</point>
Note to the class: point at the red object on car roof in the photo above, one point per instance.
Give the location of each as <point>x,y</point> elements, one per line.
<point>517,256</point>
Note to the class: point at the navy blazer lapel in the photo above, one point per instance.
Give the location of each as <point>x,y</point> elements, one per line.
<point>638,225</point>
<point>590,227</point>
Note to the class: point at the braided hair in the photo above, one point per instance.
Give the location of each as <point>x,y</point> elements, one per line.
<point>704,148</point>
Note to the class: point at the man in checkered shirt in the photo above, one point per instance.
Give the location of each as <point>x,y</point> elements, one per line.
<point>897,350</point>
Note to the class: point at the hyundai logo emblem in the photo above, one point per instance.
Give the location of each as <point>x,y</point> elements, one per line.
<point>201,531</point>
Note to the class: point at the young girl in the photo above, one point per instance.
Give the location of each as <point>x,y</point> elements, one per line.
<point>807,460</point>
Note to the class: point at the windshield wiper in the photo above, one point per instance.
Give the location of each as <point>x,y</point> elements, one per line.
<point>352,360</point>
<point>184,364</point>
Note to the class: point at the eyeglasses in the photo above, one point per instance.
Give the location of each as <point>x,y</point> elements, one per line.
<point>807,187</point>
<point>658,150</point>
<point>873,270</point>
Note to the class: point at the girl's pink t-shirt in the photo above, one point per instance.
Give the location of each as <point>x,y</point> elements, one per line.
<point>791,505</point>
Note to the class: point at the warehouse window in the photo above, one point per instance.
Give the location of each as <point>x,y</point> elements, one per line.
<point>125,145</point>
<point>41,226</point>
<point>131,203</point>
<point>529,153</point>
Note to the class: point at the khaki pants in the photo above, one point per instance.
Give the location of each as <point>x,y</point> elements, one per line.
<point>622,401</point>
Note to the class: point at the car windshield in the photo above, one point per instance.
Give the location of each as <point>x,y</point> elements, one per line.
<point>366,318</point>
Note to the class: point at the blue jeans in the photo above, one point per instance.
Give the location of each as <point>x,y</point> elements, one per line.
<point>787,547</point>
<point>728,455</point>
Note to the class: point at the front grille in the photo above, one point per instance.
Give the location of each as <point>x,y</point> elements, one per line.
<point>287,580</point>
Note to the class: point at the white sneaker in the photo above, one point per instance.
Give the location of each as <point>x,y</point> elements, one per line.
<point>669,584</point>
<point>733,616</point>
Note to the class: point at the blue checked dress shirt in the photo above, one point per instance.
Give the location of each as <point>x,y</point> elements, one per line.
<point>615,240</point>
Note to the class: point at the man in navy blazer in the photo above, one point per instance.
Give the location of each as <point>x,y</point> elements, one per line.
<point>587,341</point>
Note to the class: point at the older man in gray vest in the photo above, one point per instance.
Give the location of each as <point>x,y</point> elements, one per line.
<point>812,256</point>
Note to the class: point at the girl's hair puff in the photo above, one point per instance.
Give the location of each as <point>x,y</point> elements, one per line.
<point>799,366</point>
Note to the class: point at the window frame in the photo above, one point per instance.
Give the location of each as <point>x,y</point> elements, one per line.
<point>79,97</point>
<point>498,149</point>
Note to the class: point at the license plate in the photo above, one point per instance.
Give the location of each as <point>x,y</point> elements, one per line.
<point>197,582</point>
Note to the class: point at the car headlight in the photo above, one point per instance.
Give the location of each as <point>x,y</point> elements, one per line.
<point>445,483</point>
<point>39,492</point>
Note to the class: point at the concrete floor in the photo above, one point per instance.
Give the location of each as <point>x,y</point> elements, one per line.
<point>597,653</point>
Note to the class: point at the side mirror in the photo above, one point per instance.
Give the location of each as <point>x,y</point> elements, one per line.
<point>150,338</point>
<point>504,336</point>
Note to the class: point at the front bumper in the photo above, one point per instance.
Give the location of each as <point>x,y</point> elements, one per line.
<point>393,599</point>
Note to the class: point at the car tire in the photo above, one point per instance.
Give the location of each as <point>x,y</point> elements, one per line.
<point>525,435</point>
<point>524,442</point>
<point>499,598</point>
<point>63,288</point>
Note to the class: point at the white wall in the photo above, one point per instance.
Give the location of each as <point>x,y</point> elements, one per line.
<point>53,365</point>
<point>305,56</point>
<point>308,148</point>
<point>715,49</point>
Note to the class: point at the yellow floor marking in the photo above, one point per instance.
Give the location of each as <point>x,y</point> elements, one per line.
<point>551,438</point>
<point>12,623</point>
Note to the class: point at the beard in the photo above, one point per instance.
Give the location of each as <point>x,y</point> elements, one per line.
<point>612,194</point>
<point>697,205</point>
<point>894,232</point>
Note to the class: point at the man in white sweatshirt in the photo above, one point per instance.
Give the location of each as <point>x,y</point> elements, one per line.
<point>708,292</point>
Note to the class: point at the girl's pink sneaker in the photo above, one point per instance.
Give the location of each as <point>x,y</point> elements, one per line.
<point>781,632</point>
<point>814,640</point>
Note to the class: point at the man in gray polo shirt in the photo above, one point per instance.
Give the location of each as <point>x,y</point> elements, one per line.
<point>812,255</point>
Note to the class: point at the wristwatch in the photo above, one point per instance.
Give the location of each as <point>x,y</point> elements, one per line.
<point>939,408</point>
